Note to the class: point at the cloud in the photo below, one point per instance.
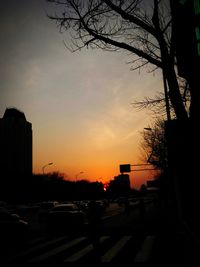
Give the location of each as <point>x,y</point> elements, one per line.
<point>116,124</point>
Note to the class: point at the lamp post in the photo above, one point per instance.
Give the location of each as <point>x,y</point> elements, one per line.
<point>50,163</point>
<point>78,175</point>
<point>152,143</point>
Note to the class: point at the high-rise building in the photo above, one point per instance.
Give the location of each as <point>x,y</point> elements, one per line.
<point>15,144</point>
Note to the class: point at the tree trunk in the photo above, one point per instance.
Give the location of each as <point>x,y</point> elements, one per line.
<point>168,68</point>
<point>174,91</point>
<point>194,83</point>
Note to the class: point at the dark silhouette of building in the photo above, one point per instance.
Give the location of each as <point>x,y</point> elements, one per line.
<point>15,144</point>
<point>120,186</point>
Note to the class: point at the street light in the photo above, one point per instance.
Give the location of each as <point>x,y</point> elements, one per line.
<point>50,163</point>
<point>78,175</point>
<point>152,143</point>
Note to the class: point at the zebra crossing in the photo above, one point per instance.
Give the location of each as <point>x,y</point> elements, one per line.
<point>77,249</point>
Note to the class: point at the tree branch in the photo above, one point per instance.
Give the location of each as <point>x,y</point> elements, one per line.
<point>131,18</point>
<point>123,45</point>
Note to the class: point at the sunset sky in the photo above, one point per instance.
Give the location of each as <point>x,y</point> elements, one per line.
<point>79,103</point>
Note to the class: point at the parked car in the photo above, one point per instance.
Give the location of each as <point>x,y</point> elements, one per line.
<point>12,226</point>
<point>97,207</point>
<point>44,208</point>
<point>64,215</point>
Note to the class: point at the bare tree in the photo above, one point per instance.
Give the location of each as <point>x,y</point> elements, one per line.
<point>141,27</point>
<point>153,145</point>
<point>157,104</point>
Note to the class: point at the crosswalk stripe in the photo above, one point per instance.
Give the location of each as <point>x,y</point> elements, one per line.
<point>36,240</point>
<point>43,245</point>
<point>79,254</point>
<point>57,250</point>
<point>141,257</point>
<point>115,249</point>
<point>144,254</point>
<point>76,256</point>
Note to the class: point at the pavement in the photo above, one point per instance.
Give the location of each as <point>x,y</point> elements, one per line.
<point>175,241</point>
<point>168,240</point>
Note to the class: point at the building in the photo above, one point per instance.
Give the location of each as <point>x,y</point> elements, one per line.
<point>123,180</point>
<point>120,186</point>
<point>15,144</point>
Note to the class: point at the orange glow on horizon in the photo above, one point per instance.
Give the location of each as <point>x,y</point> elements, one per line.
<point>101,175</point>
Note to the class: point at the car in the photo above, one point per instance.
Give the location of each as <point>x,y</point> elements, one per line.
<point>44,208</point>
<point>12,226</point>
<point>96,206</point>
<point>64,215</point>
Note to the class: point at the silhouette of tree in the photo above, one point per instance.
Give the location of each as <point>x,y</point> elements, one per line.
<point>53,186</point>
<point>153,145</point>
<point>143,28</point>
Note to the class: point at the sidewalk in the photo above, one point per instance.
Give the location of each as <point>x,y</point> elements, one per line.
<point>175,243</point>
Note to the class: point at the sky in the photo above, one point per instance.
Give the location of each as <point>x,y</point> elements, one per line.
<point>79,103</point>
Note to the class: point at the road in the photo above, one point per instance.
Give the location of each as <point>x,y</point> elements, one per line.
<point>126,239</point>
<point>122,238</point>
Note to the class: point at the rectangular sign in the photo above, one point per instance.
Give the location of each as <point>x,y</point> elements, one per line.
<point>125,168</point>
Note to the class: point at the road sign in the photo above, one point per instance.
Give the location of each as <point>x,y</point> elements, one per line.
<point>125,168</point>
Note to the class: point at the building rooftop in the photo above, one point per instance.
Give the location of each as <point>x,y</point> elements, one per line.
<point>13,112</point>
